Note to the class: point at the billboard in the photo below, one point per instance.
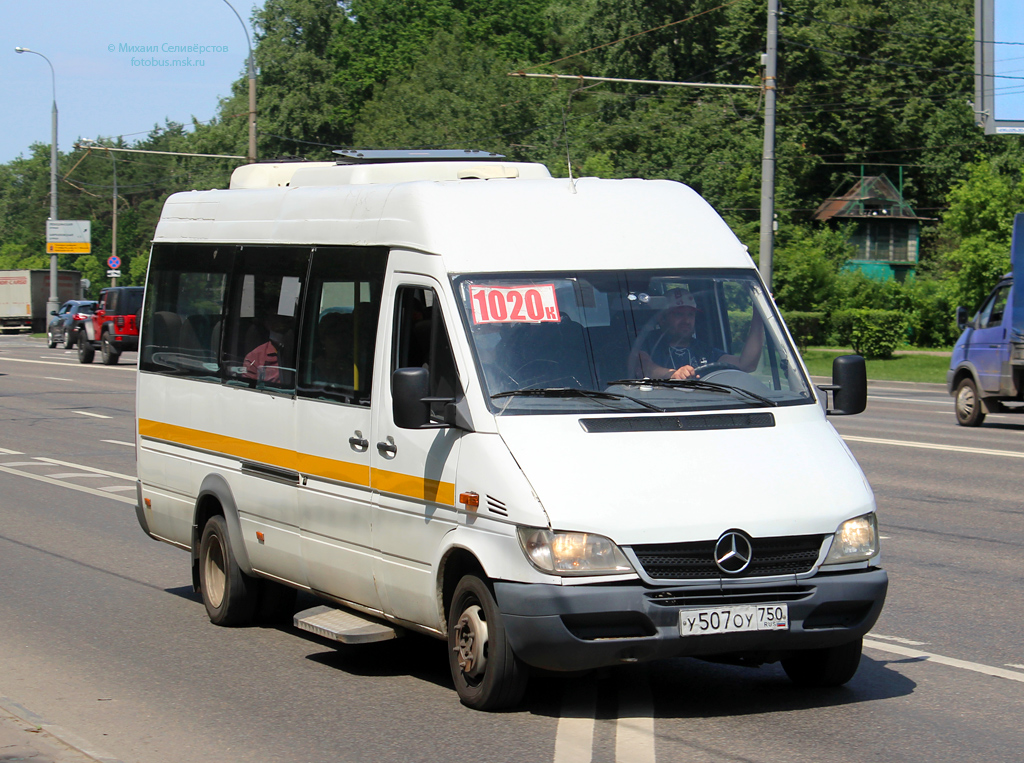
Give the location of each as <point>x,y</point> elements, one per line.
<point>999,66</point>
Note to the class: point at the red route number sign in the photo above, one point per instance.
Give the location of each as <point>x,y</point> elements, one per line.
<point>514,304</point>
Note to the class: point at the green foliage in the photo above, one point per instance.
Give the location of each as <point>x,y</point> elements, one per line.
<point>807,328</point>
<point>871,333</point>
<point>416,73</point>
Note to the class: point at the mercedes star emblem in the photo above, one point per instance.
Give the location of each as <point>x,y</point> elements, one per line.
<point>733,552</point>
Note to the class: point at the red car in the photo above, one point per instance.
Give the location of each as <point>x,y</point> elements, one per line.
<point>114,327</point>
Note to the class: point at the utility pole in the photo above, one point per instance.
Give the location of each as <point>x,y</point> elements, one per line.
<point>53,303</point>
<point>768,155</point>
<point>252,88</point>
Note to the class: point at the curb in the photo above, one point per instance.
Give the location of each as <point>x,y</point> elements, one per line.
<point>60,734</point>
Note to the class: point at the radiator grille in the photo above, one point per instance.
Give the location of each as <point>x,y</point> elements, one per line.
<point>689,561</point>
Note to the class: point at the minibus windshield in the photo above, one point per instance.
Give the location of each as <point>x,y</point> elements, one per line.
<point>637,341</point>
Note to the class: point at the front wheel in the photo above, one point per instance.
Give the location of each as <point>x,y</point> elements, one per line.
<point>487,673</point>
<point>50,341</point>
<point>229,594</point>
<point>829,667</point>
<point>85,351</point>
<point>969,411</point>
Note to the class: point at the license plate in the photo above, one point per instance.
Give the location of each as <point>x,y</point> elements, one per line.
<point>743,617</point>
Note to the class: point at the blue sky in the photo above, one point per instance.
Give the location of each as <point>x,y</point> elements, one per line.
<point>100,89</point>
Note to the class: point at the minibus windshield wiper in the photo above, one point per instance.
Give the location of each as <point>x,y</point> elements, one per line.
<point>697,384</point>
<point>573,392</point>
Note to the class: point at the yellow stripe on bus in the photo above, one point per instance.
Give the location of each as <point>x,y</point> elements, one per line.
<point>408,485</point>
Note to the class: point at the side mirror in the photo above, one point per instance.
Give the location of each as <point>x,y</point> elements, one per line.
<point>961,317</point>
<point>409,390</point>
<point>53,312</point>
<point>849,386</point>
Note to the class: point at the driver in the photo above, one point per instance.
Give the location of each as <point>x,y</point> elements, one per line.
<point>674,352</point>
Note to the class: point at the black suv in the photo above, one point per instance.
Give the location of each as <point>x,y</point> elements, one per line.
<point>114,327</point>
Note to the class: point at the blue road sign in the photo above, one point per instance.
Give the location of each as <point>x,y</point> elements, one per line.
<point>113,262</point>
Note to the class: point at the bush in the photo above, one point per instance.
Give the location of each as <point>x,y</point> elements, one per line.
<point>807,328</point>
<point>871,333</point>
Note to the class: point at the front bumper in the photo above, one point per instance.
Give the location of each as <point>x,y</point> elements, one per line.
<point>583,627</point>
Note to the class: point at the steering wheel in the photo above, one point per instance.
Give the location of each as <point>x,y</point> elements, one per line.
<point>532,370</point>
<point>710,368</point>
<point>541,371</point>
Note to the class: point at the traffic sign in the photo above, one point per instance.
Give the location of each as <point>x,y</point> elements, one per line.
<point>113,262</point>
<point>68,231</point>
<point>113,274</point>
<point>68,248</point>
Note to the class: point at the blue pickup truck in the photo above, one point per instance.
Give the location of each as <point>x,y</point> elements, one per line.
<point>986,371</point>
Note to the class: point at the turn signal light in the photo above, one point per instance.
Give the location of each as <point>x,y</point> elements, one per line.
<point>470,500</point>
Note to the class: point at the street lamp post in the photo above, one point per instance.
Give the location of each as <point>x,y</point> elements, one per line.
<point>53,303</point>
<point>252,87</point>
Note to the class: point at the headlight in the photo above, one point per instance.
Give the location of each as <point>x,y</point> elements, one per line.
<point>562,553</point>
<point>856,540</point>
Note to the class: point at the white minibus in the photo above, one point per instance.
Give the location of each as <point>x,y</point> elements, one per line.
<point>558,423</point>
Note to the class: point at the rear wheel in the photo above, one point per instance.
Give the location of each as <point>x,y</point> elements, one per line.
<point>107,350</point>
<point>819,668</point>
<point>85,351</point>
<point>969,412</point>
<point>228,593</point>
<point>69,338</point>
<point>487,674</point>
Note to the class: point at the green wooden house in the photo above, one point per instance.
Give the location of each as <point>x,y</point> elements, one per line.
<point>886,232</point>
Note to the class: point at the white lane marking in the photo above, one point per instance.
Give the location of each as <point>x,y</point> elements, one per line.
<point>574,739</point>
<point>65,475</point>
<point>634,735</point>
<point>94,415</point>
<point>898,640</point>
<point>70,485</point>
<point>120,442</point>
<point>935,446</point>
<point>125,367</point>
<point>84,468</point>
<point>57,378</point>
<point>40,362</point>
<point>1014,665</point>
<point>975,667</point>
<point>909,400</point>
<point>22,463</point>
<point>118,488</point>
<point>11,452</point>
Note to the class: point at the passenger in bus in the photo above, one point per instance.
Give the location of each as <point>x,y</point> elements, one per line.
<point>334,360</point>
<point>674,352</point>
<point>264,362</point>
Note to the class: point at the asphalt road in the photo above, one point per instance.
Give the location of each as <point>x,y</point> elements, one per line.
<point>101,634</point>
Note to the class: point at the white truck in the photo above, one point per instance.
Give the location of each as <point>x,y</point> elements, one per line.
<point>23,296</point>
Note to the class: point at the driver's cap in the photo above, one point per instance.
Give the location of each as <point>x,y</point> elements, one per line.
<point>677,298</point>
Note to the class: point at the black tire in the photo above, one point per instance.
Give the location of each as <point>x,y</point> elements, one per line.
<point>69,339</point>
<point>969,410</point>
<point>85,351</point>
<point>486,672</point>
<point>107,352</point>
<point>50,341</point>
<point>229,594</point>
<point>820,668</point>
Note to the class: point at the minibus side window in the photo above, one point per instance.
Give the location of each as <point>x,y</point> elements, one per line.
<point>421,340</point>
<point>340,331</point>
<point>261,329</point>
<point>182,319</point>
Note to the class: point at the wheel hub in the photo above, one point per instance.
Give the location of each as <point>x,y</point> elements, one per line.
<point>471,642</point>
<point>965,401</point>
